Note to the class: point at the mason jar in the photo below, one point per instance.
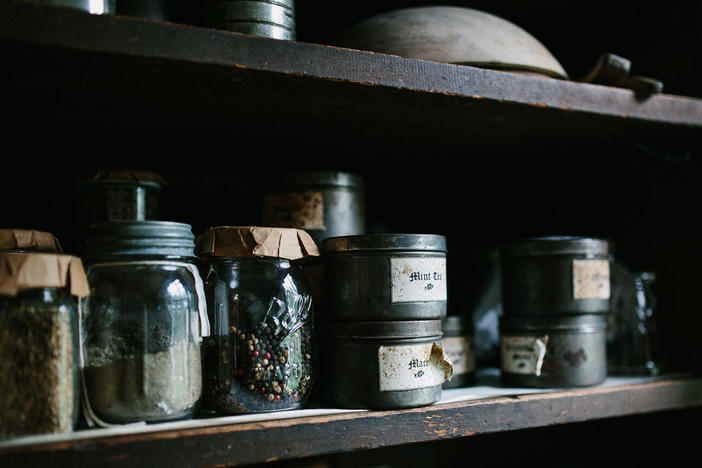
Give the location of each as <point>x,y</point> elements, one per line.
<point>144,323</point>
<point>39,372</point>
<point>259,356</point>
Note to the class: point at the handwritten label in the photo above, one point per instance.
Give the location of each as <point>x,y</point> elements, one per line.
<point>591,279</point>
<point>412,367</point>
<point>418,279</point>
<point>523,354</point>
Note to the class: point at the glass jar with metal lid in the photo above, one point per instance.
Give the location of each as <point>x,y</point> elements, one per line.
<point>259,356</point>
<point>385,277</point>
<point>39,370</point>
<point>144,322</point>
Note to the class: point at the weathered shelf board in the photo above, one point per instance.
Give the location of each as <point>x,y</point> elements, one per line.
<point>211,442</point>
<point>68,71</point>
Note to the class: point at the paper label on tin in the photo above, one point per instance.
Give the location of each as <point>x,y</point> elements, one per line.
<point>591,279</point>
<point>460,352</point>
<point>416,279</point>
<point>294,210</point>
<point>412,367</point>
<point>523,354</point>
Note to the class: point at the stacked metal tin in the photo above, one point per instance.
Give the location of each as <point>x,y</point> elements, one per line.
<point>267,18</point>
<point>380,335</point>
<point>555,299</point>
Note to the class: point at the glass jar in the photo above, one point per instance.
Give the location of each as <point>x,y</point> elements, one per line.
<point>259,354</point>
<point>39,343</point>
<point>143,324</point>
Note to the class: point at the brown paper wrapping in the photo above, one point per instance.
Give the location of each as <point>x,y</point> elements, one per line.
<point>19,272</point>
<point>27,239</point>
<point>254,241</point>
<point>126,175</point>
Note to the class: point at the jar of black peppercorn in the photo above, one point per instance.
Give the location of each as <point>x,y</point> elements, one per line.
<point>259,355</point>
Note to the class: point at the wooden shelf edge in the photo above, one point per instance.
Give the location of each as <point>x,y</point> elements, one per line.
<point>266,440</point>
<point>24,22</point>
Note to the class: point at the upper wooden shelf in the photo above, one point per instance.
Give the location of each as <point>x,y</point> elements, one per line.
<point>75,74</point>
<point>247,439</point>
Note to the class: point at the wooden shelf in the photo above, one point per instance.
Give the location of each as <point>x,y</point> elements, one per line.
<point>239,440</point>
<point>74,74</point>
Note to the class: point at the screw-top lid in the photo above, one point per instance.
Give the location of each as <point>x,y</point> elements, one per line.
<point>555,245</point>
<point>160,238</point>
<point>255,241</point>
<point>385,242</point>
<point>23,271</point>
<point>28,239</point>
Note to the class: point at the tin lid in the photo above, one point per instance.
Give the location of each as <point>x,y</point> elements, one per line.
<point>23,271</point>
<point>303,179</point>
<point>385,243</point>
<point>29,239</point>
<point>555,245</point>
<point>391,330</point>
<point>121,176</point>
<point>572,323</point>
<point>256,241</point>
<point>456,325</point>
<point>160,238</point>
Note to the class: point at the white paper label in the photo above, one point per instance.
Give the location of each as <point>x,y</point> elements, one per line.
<point>459,350</point>
<point>412,367</point>
<point>418,279</point>
<point>523,354</point>
<point>591,279</point>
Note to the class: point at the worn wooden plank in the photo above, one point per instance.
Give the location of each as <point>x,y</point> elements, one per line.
<point>261,441</point>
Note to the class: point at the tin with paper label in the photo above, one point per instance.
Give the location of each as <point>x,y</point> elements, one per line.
<point>383,365</point>
<point>458,344</point>
<point>553,351</point>
<point>385,277</point>
<point>555,275</point>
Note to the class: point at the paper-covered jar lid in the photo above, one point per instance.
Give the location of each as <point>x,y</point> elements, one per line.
<point>121,176</point>
<point>29,239</point>
<point>255,241</point>
<point>22,271</point>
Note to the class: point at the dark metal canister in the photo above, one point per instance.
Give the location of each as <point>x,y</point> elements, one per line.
<point>553,351</point>
<point>555,275</point>
<point>267,18</point>
<point>385,277</point>
<point>458,344</point>
<point>382,365</point>
<point>325,204</point>
<point>98,7</point>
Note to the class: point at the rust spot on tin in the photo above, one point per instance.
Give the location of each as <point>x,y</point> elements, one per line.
<point>576,358</point>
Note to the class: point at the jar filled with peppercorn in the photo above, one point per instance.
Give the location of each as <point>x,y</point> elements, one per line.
<point>259,355</point>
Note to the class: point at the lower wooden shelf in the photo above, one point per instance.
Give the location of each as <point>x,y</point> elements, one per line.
<point>246,439</point>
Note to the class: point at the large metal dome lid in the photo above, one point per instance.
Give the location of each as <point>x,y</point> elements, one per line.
<point>452,34</point>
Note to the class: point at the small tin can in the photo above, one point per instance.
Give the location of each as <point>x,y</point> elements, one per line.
<point>385,277</point>
<point>553,351</point>
<point>325,204</point>
<point>555,275</point>
<point>267,18</point>
<point>383,365</point>
<point>457,342</point>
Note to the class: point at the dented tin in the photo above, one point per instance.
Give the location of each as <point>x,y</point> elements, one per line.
<point>383,365</point>
<point>555,275</point>
<point>458,344</point>
<point>385,277</point>
<point>553,351</point>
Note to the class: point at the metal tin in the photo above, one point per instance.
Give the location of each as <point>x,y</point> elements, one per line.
<point>457,342</point>
<point>553,351</point>
<point>325,204</point>
<point>98,7</point>
<point>274,19</point>
<point>381,365</point>
<point>555,275</point>
<point>151,9</point>
<point>385,277</point>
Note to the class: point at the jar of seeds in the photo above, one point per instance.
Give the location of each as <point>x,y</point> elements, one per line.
<point>143,324</point>
<point>259,356</point>
<point>39,369</point>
